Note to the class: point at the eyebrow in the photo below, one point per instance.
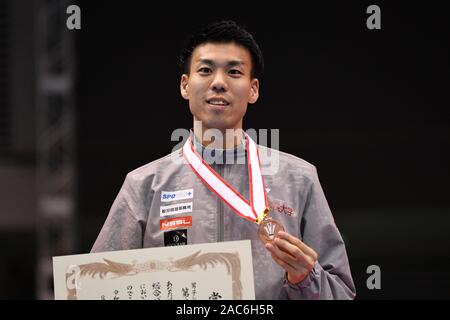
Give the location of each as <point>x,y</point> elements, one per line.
<point>232,63</point>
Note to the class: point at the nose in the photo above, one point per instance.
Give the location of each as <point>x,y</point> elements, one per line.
<point>219,83</point>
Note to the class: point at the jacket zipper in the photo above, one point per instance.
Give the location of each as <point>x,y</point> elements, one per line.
<point>220,204</point>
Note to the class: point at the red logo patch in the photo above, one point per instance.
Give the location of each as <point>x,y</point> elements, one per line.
<point>280,207</point>
<point>173,223</point>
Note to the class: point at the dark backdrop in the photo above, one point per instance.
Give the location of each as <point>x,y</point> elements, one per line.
<point>367,107</point>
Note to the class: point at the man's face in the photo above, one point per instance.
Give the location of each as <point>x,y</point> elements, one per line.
<point>219,85</point>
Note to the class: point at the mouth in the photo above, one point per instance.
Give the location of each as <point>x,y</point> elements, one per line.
<point>218,102</point>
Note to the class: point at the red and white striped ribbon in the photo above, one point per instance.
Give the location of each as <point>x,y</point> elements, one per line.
<point>254,210</point>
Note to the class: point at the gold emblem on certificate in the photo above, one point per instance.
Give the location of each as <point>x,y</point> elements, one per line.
<point>268,229</point>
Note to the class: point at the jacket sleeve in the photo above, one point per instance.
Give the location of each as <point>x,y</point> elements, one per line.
<point>124,227</point>
<point>330,277</point>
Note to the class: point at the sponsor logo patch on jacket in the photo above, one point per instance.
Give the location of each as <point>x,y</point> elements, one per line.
<point>185,207</point>
<point>167,196</point>
<point>175,238</point>
<point>280,207</point>
<point>174,223</point>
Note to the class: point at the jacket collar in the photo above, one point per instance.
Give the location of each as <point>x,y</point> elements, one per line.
<point>237,155</point>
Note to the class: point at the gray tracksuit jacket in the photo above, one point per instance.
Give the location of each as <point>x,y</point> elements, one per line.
<point>168,188</point>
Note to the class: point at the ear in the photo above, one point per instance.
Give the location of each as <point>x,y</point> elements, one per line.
<point>254,91</point>
<point>184,86</point>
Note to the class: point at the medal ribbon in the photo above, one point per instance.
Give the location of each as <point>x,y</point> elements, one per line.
<point>257,208</point>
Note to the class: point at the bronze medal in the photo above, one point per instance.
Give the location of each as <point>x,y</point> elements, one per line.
<point>268,229</point>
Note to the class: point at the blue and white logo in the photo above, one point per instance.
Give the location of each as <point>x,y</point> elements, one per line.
<point>167,196</point>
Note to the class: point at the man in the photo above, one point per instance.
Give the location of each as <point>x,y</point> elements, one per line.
<point>221,67</point>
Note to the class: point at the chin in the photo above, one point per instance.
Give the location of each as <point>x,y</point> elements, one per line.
<point>216,125</point>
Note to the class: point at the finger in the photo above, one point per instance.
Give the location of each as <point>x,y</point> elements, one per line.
<point>294,240</point>
<point>287,247</point>
<point>295,257</point>
<point>269,247</point>
<point>286,266</point>
<point>287,258</point>
<point>297,242</point>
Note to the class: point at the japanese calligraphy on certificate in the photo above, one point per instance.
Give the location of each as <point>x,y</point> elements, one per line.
<point>214,271</point>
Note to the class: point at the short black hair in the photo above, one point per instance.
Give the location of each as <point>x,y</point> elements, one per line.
<point>223,32</point>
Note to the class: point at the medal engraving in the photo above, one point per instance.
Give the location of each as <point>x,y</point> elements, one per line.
<point>268,229</point>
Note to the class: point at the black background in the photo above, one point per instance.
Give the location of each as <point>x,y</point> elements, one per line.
<point>369,108</point>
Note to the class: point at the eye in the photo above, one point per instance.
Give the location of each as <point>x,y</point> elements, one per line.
<point>235,72</point>
<point>204,71</point>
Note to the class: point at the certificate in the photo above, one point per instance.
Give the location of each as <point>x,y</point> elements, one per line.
<point>211,271</point>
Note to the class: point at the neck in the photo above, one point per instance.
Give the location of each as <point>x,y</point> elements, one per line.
<point>214,138</point>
